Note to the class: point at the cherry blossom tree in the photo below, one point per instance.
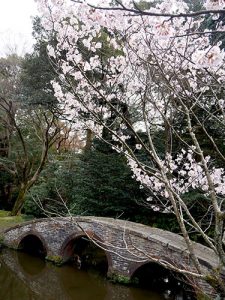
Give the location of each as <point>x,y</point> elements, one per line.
<point>164,70</point>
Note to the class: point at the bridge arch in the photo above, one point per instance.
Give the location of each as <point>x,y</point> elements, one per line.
<point>75,248</point>
<point>32,242</point>
<point>156,277</point>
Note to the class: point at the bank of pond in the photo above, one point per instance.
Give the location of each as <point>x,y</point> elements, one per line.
<point>25,274</point>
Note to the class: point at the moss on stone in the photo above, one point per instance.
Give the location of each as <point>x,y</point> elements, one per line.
<point>1,242</point>
<point>211,279</point>
<point>201,296</point>
<point>55,259</point>
<point>118,278</point>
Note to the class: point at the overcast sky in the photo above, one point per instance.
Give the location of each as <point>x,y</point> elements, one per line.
<point>16,25</point>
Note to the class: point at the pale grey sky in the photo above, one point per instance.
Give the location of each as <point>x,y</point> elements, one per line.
<point>16,25</point>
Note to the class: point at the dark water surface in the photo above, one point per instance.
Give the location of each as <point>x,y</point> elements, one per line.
<point>24,277</point>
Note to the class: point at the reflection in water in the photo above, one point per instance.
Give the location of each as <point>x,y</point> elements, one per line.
<point>28,268</point>
<point>23,277</point>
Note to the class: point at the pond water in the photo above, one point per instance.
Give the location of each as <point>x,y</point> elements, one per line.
<point>25,277</point>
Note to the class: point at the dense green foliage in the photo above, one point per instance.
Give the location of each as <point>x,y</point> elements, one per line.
<point>37,73</point>
<point>92,183</point>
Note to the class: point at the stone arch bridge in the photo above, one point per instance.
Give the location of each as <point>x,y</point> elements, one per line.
<point>127,245</point>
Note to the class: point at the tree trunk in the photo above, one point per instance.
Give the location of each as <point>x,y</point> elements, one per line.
<point>89,138</point>
<point>19,200</point>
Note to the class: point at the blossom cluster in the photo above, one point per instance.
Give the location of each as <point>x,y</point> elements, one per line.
<point>185,173</point>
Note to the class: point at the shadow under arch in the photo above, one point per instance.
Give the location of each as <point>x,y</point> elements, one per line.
<point>31,267</point>
<point>154,277</point>
<point>82,250</point>
<point>32,243</point>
